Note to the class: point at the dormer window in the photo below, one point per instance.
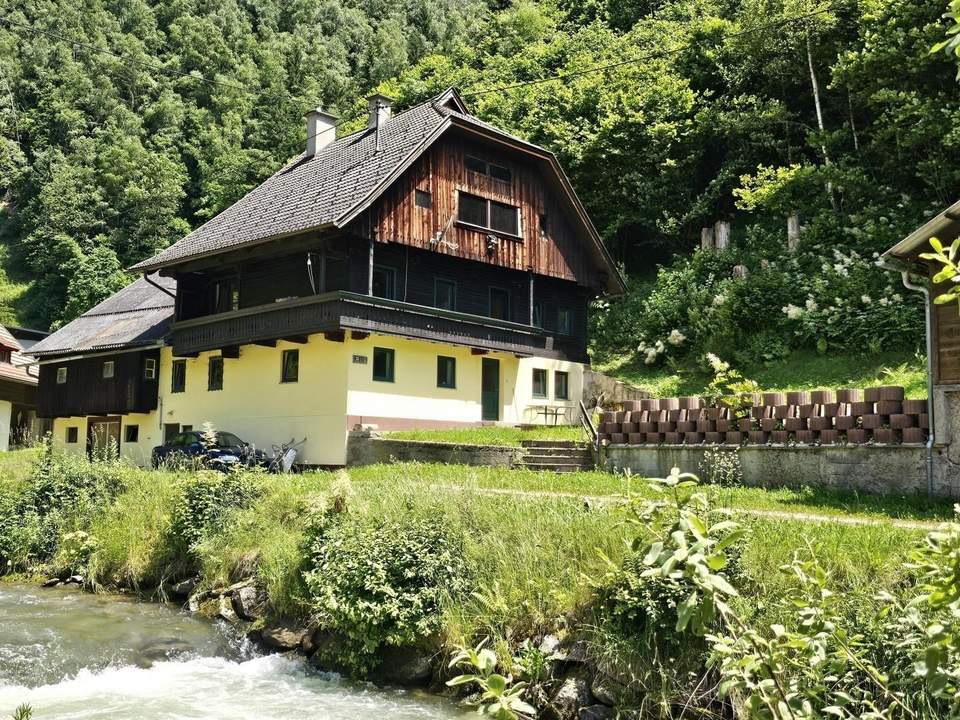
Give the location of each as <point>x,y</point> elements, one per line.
<point>482,167</point>
<point>488,214</point>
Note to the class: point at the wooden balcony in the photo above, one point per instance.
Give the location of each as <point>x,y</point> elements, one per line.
<point>341,310</point>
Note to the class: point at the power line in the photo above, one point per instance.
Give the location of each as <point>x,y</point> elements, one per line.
<point>641,58</point>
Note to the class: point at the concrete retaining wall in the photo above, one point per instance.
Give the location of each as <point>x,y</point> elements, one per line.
<point>893,470</point>
<point>365,448</point>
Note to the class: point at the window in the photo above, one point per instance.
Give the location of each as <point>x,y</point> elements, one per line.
<point>61,376</point>
<point>290,366</point>
<point>150,369</point>
<point>538,315</point>
<point>539,383</point>
<point>561,386</point>
<point>384,282</point>
<point>170,430</point>
<point>482,167</point>
<point>499,304</point>
<point>178,376</point>
<point>6,355</point>
<point>445,294</point>
<point>446,372</point>
<point>504,218</point>
<point>72,434</point>
<point>472,210</point>
<point>423,199</point>
<point>563,321</point>
<point>131,433</point>
<point>383,364</point>
<point>490,214</point>
<point>543,223</point>
<point>215,373</point>
<point>108,369</point>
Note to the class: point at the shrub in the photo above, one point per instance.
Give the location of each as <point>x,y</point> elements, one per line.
<point>383,584</point>
<point>206,500</point>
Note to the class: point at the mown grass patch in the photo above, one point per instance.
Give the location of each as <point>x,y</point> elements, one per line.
<point>492,434</point>
<point>802,370</point>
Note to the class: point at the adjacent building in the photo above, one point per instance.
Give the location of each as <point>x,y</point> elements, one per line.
<point>429,270</point>
<point>18,393</point>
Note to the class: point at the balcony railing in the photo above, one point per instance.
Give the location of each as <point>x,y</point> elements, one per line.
<point>343,310</point>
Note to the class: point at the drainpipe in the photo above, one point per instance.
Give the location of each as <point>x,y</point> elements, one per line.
<point>162,289</point>
<point>928,318</point>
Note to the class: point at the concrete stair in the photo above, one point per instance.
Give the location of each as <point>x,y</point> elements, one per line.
<point>556,456</point>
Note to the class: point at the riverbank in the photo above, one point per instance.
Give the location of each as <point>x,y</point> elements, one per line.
<point>395,567</point>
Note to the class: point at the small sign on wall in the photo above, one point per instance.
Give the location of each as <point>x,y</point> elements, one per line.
<point>360,359</point>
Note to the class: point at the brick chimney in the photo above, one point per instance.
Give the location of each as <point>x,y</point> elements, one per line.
<point>321,130</point>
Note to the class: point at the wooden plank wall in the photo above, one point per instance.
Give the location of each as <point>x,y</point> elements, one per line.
<point>87,392</point>
<point>441,171</point>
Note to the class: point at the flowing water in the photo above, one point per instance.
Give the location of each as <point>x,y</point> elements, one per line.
<point>72,655</point>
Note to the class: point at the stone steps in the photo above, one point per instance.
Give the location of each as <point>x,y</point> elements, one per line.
<point>556,456</point>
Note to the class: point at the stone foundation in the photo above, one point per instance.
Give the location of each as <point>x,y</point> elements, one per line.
<point>366,448</point>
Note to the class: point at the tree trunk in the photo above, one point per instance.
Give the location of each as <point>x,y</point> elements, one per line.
<point>816,101</point>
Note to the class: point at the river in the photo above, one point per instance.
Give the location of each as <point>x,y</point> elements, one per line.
<point>73,655</point>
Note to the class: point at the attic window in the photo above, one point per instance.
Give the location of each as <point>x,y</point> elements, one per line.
<point>490,214</point>
<point>482,167</point>
<point>423,199</point>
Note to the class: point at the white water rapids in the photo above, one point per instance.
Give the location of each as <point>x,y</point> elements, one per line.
<point>72,655</point>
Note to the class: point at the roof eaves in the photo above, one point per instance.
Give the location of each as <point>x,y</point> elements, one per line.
<point>921,236</point>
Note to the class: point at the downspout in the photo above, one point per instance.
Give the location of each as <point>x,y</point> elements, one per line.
<point>159,287</point>
<point>928,319</point>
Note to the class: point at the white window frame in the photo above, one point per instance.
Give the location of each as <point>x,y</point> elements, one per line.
<point>61,376</point>
<point>109,369</point>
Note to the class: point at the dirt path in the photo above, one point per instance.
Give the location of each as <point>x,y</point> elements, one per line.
<point>772,514</point>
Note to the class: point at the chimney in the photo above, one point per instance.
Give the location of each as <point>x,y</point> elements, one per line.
<point>320,130</point>
<point>379,107</point>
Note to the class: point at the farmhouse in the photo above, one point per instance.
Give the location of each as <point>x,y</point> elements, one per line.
<point>18,391</point>
<point>429,270</point>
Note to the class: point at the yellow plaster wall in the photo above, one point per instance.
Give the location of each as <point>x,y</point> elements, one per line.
<point>260,409</point>
<point>414,393</point>
<point>150,434</point>
<point>529,405</point>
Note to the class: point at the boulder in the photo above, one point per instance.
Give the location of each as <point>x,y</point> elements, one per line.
<point>225,611</point>
<point>407,665</point>
<point>549,645</point>
<point>605,690</point>
<point>249,602</point>
<point>574,652</point>
<point>184,588</point>
<point>573,694</point>
<point>595,712</point>
<point>75,580</point>
<point>282,636</point>
<point>165,648</point>
<point>52,582</point>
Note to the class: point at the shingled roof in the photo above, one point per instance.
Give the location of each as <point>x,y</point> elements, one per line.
<point>137,316</point>
<point>331,188</point>
<point>18,369</point>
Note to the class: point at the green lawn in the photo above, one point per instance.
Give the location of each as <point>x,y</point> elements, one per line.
<point>803,370</point>
<point>793,500</point>
<point>492,435</point>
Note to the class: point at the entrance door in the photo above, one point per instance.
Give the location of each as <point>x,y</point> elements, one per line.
<point>103,437</point>
<point>490,389</point>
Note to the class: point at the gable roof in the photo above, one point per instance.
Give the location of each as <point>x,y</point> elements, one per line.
<point>136,316</point>
<point>331,188</point>
<point>18,369</point>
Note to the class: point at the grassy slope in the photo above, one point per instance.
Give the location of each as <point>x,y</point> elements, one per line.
<point>492,435</point>
<point>801,371</point>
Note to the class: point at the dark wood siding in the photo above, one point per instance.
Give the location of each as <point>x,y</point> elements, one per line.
<point>396,218</point>
<point>19,393</point>
<point>87,392</point>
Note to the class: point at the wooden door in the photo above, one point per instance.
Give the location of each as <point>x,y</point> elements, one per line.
<point>490,389</point>
<point>103,437</point>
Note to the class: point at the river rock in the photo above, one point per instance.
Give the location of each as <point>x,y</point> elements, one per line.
<point>549,645</point>
<point>52,582</point>
<point>407,665</point>
<point>226,612</point>
<point>595,712</point>
<point>605,690</point>
<point>283,636</point>
<point>248,602</point>
<point>573,694</point>
<point>165,648</point>
<point>574,652</point>
<point>184,588</point>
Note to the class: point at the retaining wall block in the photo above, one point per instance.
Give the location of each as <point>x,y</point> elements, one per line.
<point>872,422</point>
<point>744,425</point>
<point>829,437</point>
<point>758,437</point>
<point>672,438</point>
<point>692,438</point>
<point>712,438</point>
<point>889,407</point>
<point>849,395</point>
<point>793,424</point>
<point>914,436</point>
<point>690,403</point>
<point>820,423</point>
<point>636,438</point>
<point>769,424</point>
<point>733,437</point>
<point>783,411</point>
<point>761,411</point>
<point>829,409</point>
<point>654,438</point>
<point>724,425</point>
<point>618,438</point>
<point>798,397</point>
<point>898,422</point>
<point>821,397</point>
<point>845,422</point>
<point>706,426</point>
<point>779,437</point>
<point>669,404</point>
<point>686,426</point>
<point>892,392</point>
<point>885,436</point>
<point>806,437</point>
<point>649,404</point>
<point>806,410</point>
<point>914,407</point>
<point>923,420</point>
<point>665,427</point>
<point>858,436</point>
<point>871,394</point>
<point>772,399</point>
<point>862,407</point>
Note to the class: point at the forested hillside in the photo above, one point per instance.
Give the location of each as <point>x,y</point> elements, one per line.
<point>125,123</point>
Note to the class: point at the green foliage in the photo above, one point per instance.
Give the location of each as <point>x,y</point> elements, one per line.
<point>23,712</point>
<point>950,272</point>
<point>500,697</point>
<point>384,583</point>
<point>730,389</point>
<point>206,500</point>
